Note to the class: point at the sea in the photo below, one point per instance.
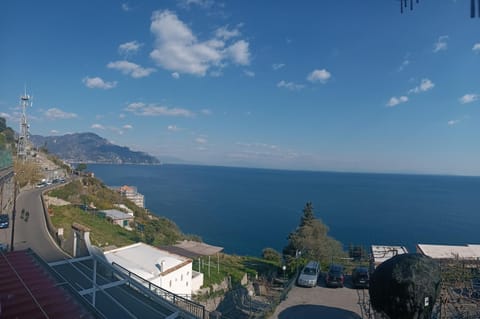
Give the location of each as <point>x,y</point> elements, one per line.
<point>245,210</point>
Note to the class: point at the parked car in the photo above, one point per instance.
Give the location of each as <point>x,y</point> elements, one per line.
<point>360,277</point>
<point>4,221</point>
<point>309,275</point>
<point>335,276</point>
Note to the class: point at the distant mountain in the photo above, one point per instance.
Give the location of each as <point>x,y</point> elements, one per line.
<point>90,148</point>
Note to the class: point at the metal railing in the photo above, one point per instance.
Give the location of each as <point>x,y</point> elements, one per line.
<point>192,308</point>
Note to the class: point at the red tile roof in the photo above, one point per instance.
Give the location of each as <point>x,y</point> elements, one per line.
<point>27,290</point>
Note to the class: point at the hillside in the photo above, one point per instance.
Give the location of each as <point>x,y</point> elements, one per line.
<point>90,148</point>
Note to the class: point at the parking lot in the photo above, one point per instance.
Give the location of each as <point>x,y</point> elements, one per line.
<point>323,302</point>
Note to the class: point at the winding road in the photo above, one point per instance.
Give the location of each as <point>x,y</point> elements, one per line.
<point>32,232</point>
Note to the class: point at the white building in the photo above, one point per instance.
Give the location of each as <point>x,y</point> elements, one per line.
<point>445,252</point>
<point>131,193</point>
<point>118,217</point>
<point>384,253</point>
<point>166,270</point>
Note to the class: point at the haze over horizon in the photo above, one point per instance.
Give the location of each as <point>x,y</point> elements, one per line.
<point>318,85</point>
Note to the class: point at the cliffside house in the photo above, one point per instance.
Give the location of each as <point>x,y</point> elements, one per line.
<point>118,217</point>
<point>166,270</point>
<point>131,193</point>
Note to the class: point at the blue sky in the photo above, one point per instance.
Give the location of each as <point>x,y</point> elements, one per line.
<point>319,85</point>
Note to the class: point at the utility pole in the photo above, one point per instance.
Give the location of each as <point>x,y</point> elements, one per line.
<point>14,211</point>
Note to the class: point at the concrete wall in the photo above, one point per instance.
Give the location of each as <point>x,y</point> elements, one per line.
<point>179,281</point>
<point>197,281</point>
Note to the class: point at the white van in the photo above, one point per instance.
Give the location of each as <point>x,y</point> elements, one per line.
<point>309,275</point>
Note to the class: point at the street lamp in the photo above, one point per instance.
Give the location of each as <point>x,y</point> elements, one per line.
<point>284,277</point>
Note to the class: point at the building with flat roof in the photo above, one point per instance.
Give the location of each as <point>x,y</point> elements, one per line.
<point>383,253</point>
<point>118,217</point>
<point>131,193</point>
<point>445,252</point>
<point>166,270</point>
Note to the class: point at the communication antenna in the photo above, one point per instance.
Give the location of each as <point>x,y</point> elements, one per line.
<point>25,101</point>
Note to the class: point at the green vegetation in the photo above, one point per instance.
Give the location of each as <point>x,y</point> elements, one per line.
<point>91,194</point>
<point>81,167</point>
<point>103,233</point>
<point>310,241</point>
<point>234,267</point>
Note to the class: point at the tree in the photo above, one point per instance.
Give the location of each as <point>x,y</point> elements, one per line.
<point>310,240</point>
<point>272,255</point>
<point>81,167</point>
<point>308,215</point>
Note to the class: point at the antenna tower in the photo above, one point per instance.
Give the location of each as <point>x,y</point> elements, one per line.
<point>25,101</point>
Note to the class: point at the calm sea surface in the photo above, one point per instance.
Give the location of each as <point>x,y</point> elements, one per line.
<point>246,210</point>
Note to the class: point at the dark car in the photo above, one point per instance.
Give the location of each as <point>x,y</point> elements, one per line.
<point>335,276</point>
<point>360,277</point>
<point>4,221</point>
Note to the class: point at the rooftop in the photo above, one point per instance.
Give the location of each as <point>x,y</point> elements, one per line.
<point>383,253</point>
<point>193,249</point>
<point>28,290</point>
<point>450,251</point>
<point>145,260</point>
<point>116,214</point>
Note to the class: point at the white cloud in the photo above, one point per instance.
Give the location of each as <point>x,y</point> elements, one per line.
<point>405,63</point>
<point>225,34</point>
<point>127,127</point>
<point>395,101</point>
<point>453,122</point>
<point>177,49</point>
<point>5,115</point>
<point>173,128</point>
<point>98,126</point>
<point>121,115</point>
<point>290,85</point>
<point>321,76</point>
<point>98,83</point>
<point>129,48</point>
<point>424,86</point>
<point>278,66</point>
<point>239,52</point>
<point>476,48</point>
<point>126,7</point>
<point>129,68</point>
<point>139,108</point>
<point>55,113</point>
<point>201,140</point>
<point>200,3</point>
<point>441,44</point>
<point>206,112</point>
<point>469,98</point>
<point>175,75</point>
<point>54,132</point>
<point>249,73</point>
<point>257,145</point>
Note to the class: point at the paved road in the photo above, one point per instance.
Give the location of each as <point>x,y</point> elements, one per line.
<point>33,233</point>
<point>322,302</point>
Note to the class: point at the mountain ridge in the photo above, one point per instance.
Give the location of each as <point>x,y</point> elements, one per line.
<point>91,148</point>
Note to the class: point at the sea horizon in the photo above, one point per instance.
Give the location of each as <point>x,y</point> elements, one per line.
<point>220,204</point>
<point>286,169</point>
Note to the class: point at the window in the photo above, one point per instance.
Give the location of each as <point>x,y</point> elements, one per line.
<point>181,277</point>
<point>170,284</point>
